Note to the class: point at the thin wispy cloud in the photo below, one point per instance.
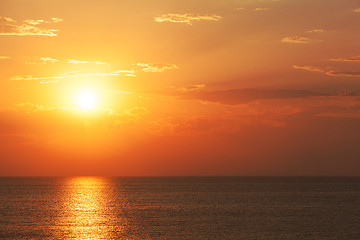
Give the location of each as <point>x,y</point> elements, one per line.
<point>187,18</point>
<point>70,75</point>
<point>40,21</point>
<point>4,57</point>
<point>247,95</point>
<point>309,68</point>
<point>343,73</point>
<point>48,60</point>
<point>346,59</point>
<point>137,111</point>
<point>316,31</point>
<point>145,67</point>
<point>41,60</point>
<point>9,27</point>
<point>357,10</point>
<point>192,88</point>
<point>33,107</point>
<point>296,39</point>
<point>41,79</point>
<point>127,73</point>
<point>303,39</point>
<point>156,67</point>
<point>73,61</point>
<point>329,72</point>
<point>258,9</point>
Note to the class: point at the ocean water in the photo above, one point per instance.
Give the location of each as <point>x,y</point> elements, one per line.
<point>180,208</point>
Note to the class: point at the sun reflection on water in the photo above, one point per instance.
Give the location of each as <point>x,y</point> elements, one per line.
<point>88,212</point>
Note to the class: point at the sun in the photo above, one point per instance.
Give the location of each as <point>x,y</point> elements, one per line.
<point>86,100</point>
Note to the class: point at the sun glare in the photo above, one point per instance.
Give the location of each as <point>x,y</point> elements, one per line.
<point>86,100</point>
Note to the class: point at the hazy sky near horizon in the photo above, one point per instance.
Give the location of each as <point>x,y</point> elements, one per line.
<point>206,87</point>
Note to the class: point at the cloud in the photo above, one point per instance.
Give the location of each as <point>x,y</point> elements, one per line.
<point>343,74</point>
<point>9,27</point>
<point>32,107</point>
<point>56,20</point>
<point>192,88</point>
<point>40,21</point>
<point>348,59</point>
<point>346,92</point>
<point>128,73</point>
<point>73,61</point>
<point>260,9</point>
<point>316,31</point>
<point>28,107</point>
<point>34,22</point>
<point>309,68</point>
<point>145,67</point>
<point>55,79</point>
<point>247,95</point>
<point>42,60</point>
<point>357,10</point>
<point>329,72</point>
<point>42,79</point>
<point>46,60</point>
<point>296,39</point>
<point>136,111</point>
<point>156,67</point>
<point>49,60</point>
<point>4,57</point>
<point>187,18</point>
<point>302,39</point>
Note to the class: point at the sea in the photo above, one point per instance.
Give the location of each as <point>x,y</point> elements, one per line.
<point>259,208</point>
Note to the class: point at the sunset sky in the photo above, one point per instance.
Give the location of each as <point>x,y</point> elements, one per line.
<point>170,87</point>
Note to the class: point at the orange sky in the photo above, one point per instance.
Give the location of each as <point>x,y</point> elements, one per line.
<point>233,87</point>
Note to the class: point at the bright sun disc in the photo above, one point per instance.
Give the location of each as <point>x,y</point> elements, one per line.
<point>86,100</point>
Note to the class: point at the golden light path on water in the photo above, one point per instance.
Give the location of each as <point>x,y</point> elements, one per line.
<point>88,212</point>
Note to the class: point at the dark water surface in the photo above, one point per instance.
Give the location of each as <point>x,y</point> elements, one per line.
<point>180,208</point>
